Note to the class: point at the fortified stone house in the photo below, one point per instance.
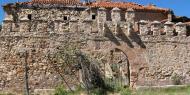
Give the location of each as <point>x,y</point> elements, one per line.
<point>149,47</point>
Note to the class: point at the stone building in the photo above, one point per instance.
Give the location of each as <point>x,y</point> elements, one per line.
<point>149,48</point>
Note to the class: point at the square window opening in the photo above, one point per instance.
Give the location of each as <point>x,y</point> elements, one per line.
<point>65,18</point>
<point>93,16</point>
<point>29,16</point>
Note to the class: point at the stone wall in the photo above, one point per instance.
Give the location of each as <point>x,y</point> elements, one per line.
<point>155,53</point>
<point>150,16</point>
<point>166,57</point>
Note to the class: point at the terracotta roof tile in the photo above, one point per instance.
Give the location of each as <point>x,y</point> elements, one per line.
<point>125,5</point>
<point>67,2</point>
<point>121,5</point>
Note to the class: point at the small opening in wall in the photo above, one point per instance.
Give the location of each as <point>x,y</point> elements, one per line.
<point>29,16</point>
<point>93,16</point>
<point>65,18</point>
<point>175,33</point>
<point>188,32</point>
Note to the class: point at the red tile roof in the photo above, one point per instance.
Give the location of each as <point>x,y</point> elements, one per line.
<point>121,5</point>
<point>125,5</point>
<point>68,2</point>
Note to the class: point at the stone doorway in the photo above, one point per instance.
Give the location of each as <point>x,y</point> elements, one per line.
<point>117,70</point>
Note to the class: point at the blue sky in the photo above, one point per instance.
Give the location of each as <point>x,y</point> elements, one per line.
<point>180,7</point>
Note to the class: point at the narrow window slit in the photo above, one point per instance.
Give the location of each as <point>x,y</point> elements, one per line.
<point>29,16</point>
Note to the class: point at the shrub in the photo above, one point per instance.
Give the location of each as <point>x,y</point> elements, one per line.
<point>97,92</point>
<point>60,90</point>
<point>125,91</point>
<point>176,79</point>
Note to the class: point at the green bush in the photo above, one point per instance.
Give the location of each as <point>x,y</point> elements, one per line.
<point>176,79</point>
<point>60,90</point>
<point>97,92</point>
<point>125,91</point>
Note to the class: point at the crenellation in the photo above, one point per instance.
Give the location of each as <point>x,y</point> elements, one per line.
<point>116,15</point>
<point>153,50</point>
<point>7,23</point>
<point>24,24</point>
<point>130,15</point>
<point>102,15</point>
<point>144,30</point>
<point>169,28</point>
<point>8,17</point>
<point>117,29</point>
<point>62,25</point>
<point>181,29</point>
<point>155,28</point>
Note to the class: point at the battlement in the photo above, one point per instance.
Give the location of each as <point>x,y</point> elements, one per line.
<point>121,13</point>
<point>114,33</point>
<point>28,20</point>
<point>102,19</point>
<point>168,28</point>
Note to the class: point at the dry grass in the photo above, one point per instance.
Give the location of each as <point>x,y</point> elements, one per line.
<point>167,91</point>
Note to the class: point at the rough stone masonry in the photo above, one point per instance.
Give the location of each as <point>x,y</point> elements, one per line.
<point>153,52</point>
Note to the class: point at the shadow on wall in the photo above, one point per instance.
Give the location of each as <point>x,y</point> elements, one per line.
<point>127,39</point>
<point>110,35</point>
<point>136,38</point>
<point>123,37</point>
